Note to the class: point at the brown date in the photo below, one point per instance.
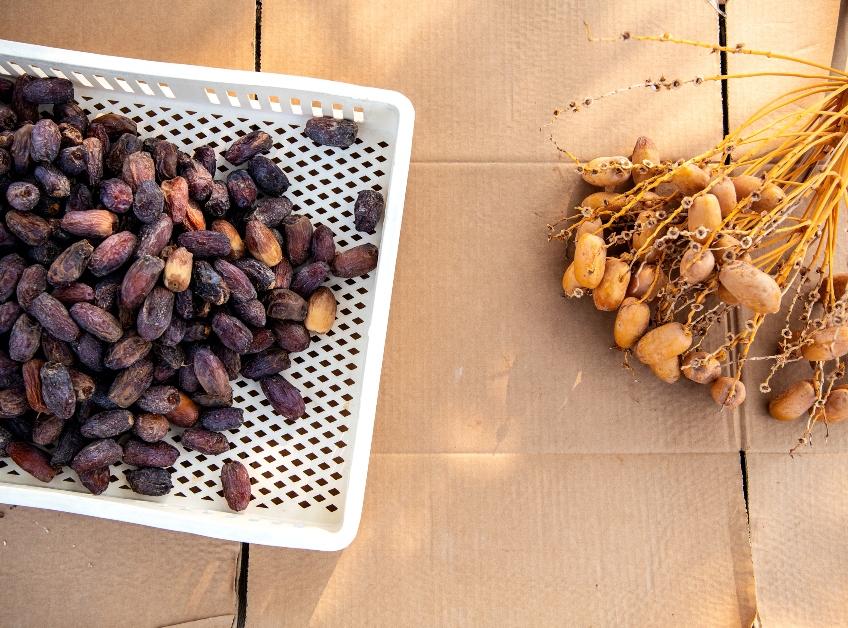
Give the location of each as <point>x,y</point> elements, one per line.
<point>57,390</point>
<point>235,483</point>
<point>151,428</point>
<point>141,454</point>
<point>97,455</point>
<point>32,460</point>
<point>107,424</point>
<point>150,481</point>
<point>204,441</point>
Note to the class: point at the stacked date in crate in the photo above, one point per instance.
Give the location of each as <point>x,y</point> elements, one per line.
<point>135,287</point>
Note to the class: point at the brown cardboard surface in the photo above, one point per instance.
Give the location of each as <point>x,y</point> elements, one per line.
<point>485,76</point>
<point>798,512</point>
<point>204,32</point>
<point>778,27</point>
<point>523,540</point>
<point>484,354</point>
<point>59,569</point>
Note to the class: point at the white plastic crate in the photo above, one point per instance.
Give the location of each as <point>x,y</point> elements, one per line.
<point>308,474</point>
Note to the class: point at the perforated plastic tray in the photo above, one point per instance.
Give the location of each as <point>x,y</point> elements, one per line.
<point>308,474</point>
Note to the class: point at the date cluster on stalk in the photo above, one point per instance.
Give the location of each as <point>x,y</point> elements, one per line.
<point>134,287</point>
<point>659,243</point>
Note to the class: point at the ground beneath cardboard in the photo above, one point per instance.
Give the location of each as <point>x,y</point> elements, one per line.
<point>519,475</point>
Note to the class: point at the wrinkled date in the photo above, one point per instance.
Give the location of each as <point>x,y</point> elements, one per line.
<point>13,403</point>
<point>209,285</point>
<point>131,383</point>
<point>204,441</point>
<point>97,322</point>
<point>97,455</point>
<point>46,429</point>
<point>126,352</point>
<point>269,362</point>
<point>235,482</point>
<point>24,339</point>
<point>107,424</point>
<point>248,146</point>
<point>268,175</point>
<point>368,210</point>
<point>242,189</point>
<point>159,399</point>
<point>210,373</point>
<point>32,385</point>
<point>309,278</point>
<point>112,253</point>
<point>232,333</point>
<point>33,460</point>
<point>141,454</point>
<point>222,419</point>
<point>331,132</point>
<point>96,480</point>
<point>139,280</point>
<point>57,390</point>
<point>204,243</point>
<point>150,481</point>
<point>151,428</point>
<point>154,317</point>
<point>283,396</point>
<point>70,264</point>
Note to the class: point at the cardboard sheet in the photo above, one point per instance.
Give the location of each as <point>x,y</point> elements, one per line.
<point>66,570</point>
<point>798,514</point>
<point>776,27</point>
<point>486,355</point>
<point>219,33</point>
<point>485,76</point>
<point>526,540</point>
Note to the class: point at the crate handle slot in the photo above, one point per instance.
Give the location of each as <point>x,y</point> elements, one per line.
<point>82,79</point>
<point>145,87</point>
<point>211,96</point>
<point>124,85</point>
<point>17,68</point>
<point>103,82</point>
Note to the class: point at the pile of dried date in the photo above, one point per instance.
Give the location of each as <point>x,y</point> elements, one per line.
<point>124,314</point>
